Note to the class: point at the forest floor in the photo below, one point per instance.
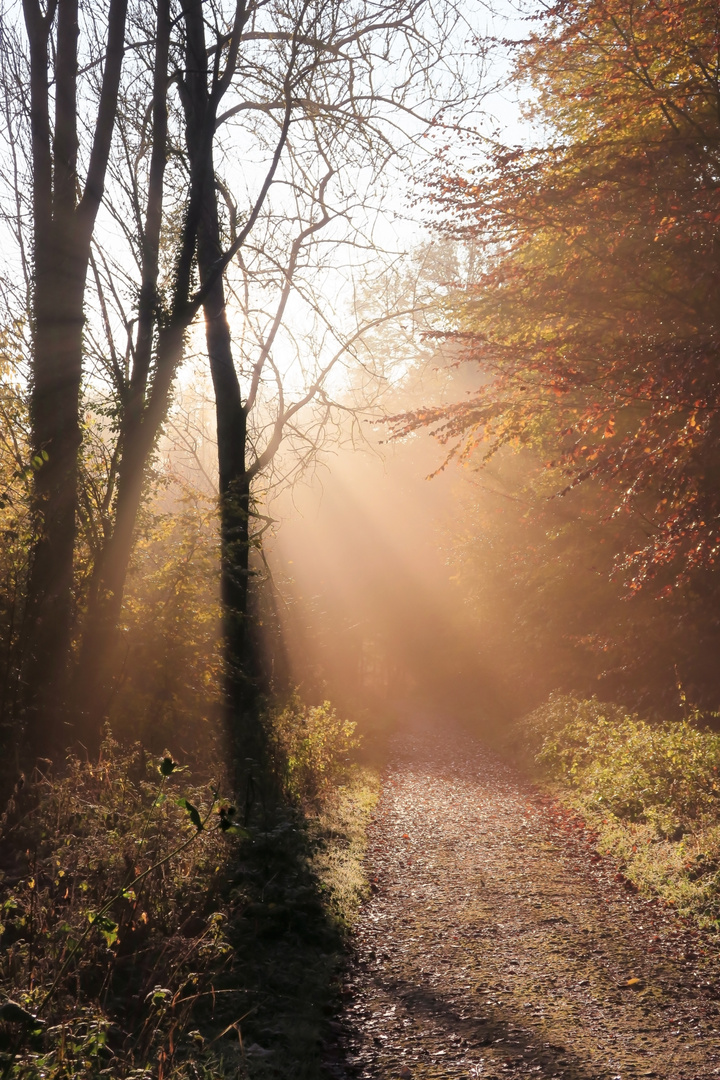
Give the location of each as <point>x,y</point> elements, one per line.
<point>497,943</point>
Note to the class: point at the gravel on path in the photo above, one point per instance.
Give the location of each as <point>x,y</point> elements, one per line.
<point>498,944</point>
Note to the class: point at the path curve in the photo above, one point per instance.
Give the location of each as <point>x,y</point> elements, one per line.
<point>497,945</point>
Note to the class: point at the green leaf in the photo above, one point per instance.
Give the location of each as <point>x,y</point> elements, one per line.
<point>110,934</point>
<point>159,995</point>
<point>234,830</point>
<point>106,926</point>
<point>193,812</point>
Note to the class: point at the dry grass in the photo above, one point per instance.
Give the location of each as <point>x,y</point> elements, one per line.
<point>135,943</point>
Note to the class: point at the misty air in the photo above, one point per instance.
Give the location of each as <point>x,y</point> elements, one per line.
<point>360,520</point>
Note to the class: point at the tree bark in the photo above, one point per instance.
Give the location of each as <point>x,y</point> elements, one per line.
<point>201,94</point>
<point>234,496</point>
<point>108,577</point>
<point>242,727</point>
<point>149,397</point>
<point>63,229</point>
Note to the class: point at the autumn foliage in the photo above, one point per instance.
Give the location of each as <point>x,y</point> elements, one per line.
<point>595,317</point>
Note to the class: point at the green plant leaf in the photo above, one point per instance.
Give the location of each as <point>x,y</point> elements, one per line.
<point>234,830</point>
<point>107,927</point>
<point>193,812</point>
<point>159,995</point>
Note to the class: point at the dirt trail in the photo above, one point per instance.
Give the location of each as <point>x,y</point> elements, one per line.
<point>497,945</point>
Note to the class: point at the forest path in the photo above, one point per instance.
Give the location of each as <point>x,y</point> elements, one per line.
<point>497,944</point>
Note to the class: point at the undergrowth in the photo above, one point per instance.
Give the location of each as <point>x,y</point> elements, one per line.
<point>147,932</point>
<point>311,746</point>
<point>651,790</point>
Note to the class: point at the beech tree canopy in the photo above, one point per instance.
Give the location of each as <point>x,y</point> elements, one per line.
<point>593,316</point>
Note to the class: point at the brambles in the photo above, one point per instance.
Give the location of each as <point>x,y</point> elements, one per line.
<point>636,769</point>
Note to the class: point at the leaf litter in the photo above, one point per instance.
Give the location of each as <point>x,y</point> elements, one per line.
<point>496,942</point>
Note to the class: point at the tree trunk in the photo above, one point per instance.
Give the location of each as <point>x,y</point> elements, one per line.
<point>234,497</point>
<point>56,436</point>
<point>93,673</point>
<point>149,399</point>
<point>242,727</point>
<point>63,229</point>
<point>142,426</point>
<point>94,670</point>
<point>148,404</point>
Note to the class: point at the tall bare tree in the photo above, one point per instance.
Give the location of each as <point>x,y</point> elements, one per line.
<point>229,161</point>
<point>331,119</point>
<point>64,209</point>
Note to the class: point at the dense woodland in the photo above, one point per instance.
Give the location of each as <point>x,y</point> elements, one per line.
<point>324,402</point>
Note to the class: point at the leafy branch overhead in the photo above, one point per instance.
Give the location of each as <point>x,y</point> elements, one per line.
<point>593,314</point>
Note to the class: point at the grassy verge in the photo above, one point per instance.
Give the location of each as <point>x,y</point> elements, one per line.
<point>145,933</point>
<point>301,885</point>
<point>651,791</point>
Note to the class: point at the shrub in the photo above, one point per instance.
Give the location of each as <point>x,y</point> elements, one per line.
<point>135,943</point>
<point>664,773</point>
<point>312,747</point>
<point>563,722</point>
<point>105,885</point>
<point>651,791</point>
<point>168,660</point>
